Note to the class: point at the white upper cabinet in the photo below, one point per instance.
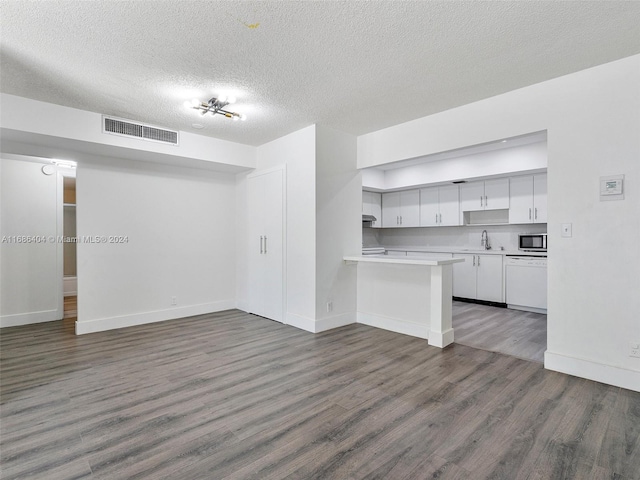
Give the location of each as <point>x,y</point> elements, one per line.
<point>487,195</point>
<point>439,206</point>
<point>540,198</point>
<point>528,199</point>
<point>372,205</point>
<point>401,209</point>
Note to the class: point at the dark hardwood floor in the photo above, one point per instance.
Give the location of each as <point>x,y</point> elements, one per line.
<point>231,395</point>
<point>502,330</point>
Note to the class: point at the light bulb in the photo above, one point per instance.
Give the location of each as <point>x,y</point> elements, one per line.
<point>195,103</point>
<point>243,117</point>
<point>231,99</point>
<point>222,98</point>
<point>236,118</point>
<point>187,104</point>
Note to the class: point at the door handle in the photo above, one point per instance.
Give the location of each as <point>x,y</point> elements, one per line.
<point>261,244</point>
<point>474,260</point>
<point>436,218</point>
<point>481,201</point>
<point>478,260</point>
<point>536,210</point>
<point>400,219</point>
<point>440,218</point>
<point>486,201</point>
<point>529,214</point>
<point>265,244</point>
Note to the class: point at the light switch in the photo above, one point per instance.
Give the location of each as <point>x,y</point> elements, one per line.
<point>566,230</point>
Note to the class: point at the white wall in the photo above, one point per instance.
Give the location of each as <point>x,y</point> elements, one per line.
<point>30,273</point>
<point>592,120</point>
<point>297,152</point>
<point>338,227</point>
<point>179,225</point>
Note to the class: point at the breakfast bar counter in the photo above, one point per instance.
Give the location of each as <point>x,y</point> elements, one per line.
<point>406,295</point>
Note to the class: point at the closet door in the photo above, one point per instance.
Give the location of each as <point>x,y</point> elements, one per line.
<point>266,253</point>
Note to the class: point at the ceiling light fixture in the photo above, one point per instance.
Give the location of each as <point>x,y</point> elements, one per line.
<point>216,105</point>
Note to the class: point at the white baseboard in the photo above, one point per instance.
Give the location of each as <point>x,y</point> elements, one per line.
<point>303,323</point>
<point>441,339</point>
<point>30,317</point>
<point>394,325</point>
<point>528,309</point>
<point>70,286</point>
<point>616,376</point>
<point>336,321</point>
<point>103,324</point>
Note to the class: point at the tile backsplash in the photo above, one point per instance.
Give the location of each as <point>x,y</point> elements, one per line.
<point>463,236</point>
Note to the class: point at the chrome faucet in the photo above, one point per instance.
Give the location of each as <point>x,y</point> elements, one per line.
<point>484,240</point>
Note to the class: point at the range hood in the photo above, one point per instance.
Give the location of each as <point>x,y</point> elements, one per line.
<point>368,218</point>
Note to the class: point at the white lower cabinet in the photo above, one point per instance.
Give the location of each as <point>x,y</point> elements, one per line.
<point>479,277</point>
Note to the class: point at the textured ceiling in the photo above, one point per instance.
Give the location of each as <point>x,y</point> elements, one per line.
<point>352,65</point>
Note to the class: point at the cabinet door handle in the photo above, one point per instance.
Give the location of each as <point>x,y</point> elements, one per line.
<point>536,215</point>
<point>486,202</point>
<point>436,218</point>
<point>478,260</point>
<point>474,260</point>
<point>440,218</point>
<point>261,237</point>
<point>397,219</point>
<point>400,219</point>
<point>481,201</point>
<point>529,214</point>
<point>265,244</point>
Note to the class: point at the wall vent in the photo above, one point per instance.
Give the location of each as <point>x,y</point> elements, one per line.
<point>127,128</point>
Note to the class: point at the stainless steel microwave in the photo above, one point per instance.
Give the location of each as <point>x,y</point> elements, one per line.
<point>532,242</point>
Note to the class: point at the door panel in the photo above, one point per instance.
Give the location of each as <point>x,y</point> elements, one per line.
<point>266,240</point>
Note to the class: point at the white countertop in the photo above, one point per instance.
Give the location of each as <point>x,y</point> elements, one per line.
<point>465,250</point>
<point>402,261</point>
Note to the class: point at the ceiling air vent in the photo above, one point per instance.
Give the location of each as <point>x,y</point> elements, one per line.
<point>127,128</point>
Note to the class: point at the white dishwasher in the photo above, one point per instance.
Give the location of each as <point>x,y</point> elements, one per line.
<point>526,283</point>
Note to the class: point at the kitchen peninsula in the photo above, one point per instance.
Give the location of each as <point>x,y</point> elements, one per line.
<point>406,295</point>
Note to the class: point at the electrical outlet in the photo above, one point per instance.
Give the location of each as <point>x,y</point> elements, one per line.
<point>634,349</point>
<point>329,306</point>
<point>174,301</point>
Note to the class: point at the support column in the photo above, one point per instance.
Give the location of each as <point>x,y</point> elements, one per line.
<point>441,330</point>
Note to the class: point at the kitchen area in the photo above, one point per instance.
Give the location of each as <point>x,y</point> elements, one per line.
<point>495,219</point>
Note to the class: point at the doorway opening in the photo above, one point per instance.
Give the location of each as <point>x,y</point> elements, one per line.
<point>70,279</point>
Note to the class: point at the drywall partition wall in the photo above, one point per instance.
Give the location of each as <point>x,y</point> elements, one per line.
<point>592,119</point>
<point>30,253</point>
<point>338,227</point>
<point>61,129</point>
<point>516,160</point>
<point>165,248</point>
<point>298,152</point>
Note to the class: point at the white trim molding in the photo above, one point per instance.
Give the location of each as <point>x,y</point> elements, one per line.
<point>28,318</point>
<point>394,325</point>
<point>610,375</point>
<point>111,323</point>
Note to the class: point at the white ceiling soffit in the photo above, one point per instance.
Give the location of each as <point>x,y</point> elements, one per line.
<point>499,144</point>
<point>353,66</point>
